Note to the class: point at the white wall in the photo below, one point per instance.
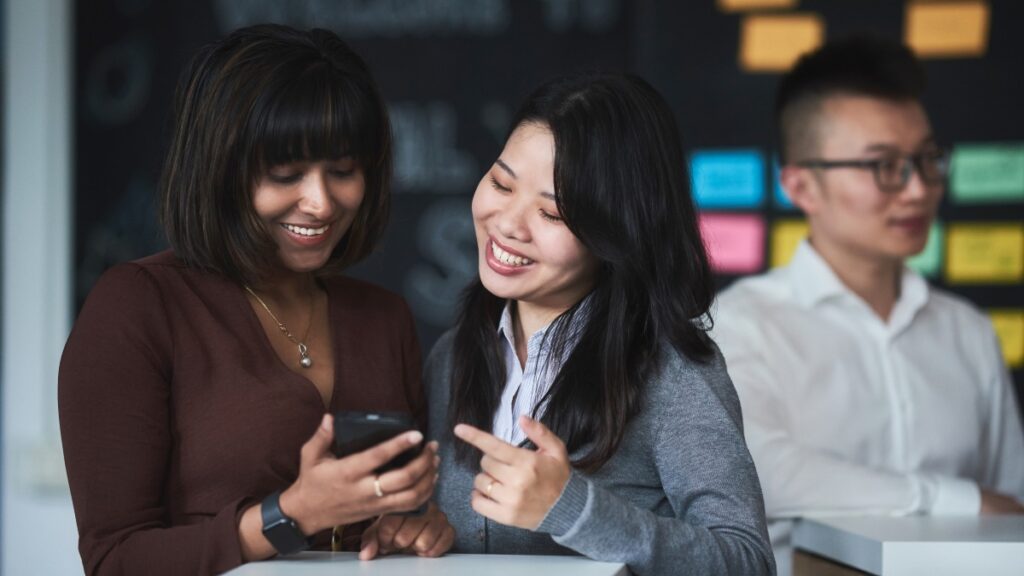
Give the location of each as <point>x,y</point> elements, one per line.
<point>38,529</point>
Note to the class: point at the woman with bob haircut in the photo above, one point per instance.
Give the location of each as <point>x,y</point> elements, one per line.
<point>196,387</point>
<point>580,405</point>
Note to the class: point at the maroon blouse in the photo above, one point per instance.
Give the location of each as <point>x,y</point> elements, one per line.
<point>176,414</point>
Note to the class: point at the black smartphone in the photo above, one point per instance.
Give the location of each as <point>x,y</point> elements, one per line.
<point>358,431</point>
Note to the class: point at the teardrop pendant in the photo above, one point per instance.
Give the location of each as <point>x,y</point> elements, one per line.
<point>304,360</point>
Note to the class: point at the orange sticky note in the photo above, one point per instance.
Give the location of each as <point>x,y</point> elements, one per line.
<point>947,29</point>
<point>773,43</point>
<point>985,252</point>
<point>1009,326</point>
<point>786,236</point>
<point>741,5</point>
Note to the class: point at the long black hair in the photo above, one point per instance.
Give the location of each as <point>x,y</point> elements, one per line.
<point>622,188</point>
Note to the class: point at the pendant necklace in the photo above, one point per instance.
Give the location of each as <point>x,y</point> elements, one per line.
<point>304,360</point>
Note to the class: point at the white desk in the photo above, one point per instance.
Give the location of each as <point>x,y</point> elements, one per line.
<point>342,563</point>
<point>990,545</point>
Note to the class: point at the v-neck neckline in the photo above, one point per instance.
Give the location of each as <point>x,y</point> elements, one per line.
<point>280,365</point>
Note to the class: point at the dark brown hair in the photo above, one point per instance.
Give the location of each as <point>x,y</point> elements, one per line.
<point>263,96</point>
<point>854,66</point>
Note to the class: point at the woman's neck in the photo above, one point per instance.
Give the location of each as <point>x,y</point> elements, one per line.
<point>288,288</point>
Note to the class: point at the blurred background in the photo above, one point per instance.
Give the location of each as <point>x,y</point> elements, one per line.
<point>86,112</point>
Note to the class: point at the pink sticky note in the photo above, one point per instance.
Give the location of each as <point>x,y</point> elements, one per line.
<point>735,242</point>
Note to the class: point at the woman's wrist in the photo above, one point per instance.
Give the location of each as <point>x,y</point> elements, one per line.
<point>292,506</point>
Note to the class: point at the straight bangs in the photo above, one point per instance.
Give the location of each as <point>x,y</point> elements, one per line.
<point>315,115</point>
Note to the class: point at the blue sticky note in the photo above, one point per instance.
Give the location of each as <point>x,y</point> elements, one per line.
<point>727,178</point>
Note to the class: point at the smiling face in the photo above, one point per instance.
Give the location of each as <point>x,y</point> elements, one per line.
<point>527,253</point>
<point>847,212</point>
<point>307,207</point>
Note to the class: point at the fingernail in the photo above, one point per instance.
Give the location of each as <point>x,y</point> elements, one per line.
<point>415,437</point>
<point>460,429</point>
<point>325,422</point>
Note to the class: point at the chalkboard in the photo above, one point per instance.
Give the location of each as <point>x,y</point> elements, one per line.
<point>452,72</point>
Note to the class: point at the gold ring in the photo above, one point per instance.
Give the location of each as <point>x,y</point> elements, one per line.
<point>376,487</point>
<point>488,489</point>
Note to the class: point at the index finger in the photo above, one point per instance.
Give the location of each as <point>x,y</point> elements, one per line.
<point>370,459</point>
<point>487,443</point>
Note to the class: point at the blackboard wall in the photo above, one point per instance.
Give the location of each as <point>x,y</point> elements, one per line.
<point>453,72</point>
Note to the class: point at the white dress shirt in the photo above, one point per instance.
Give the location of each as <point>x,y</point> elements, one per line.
<point>526,386</point>
<point>845,413</point>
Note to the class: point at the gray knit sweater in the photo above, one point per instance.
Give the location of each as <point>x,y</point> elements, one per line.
<point>679,496</point>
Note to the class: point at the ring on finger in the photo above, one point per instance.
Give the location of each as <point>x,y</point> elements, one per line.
<point>376,487</point>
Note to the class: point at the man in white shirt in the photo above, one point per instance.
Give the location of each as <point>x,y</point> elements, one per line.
<point>864,390</point>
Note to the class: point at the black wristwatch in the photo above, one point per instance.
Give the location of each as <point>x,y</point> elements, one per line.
<point>282,532</point>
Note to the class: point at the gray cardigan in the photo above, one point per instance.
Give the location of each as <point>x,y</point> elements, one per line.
<point>679,495</point>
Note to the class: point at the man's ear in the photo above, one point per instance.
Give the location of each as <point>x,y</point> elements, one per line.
<point>802,188</point>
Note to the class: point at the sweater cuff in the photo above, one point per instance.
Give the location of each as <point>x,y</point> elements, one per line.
<point>955,496</point>
<point>568,509</point>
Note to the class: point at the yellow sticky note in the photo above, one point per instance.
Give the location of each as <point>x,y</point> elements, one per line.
<point>947,29</point>
<point>990,252</point>
<point>1009,326</point>
<point>773,43</point>
<point>786,236</point>
<point>741,5</point>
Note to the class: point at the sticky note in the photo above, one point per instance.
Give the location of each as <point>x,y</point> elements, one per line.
<point>987,173</point>
<point>741,5</point>
<point>773,42</point>
<point>735,242</point>
<point>947,29</point>
<point>786,236</point>
<point>1009,326</point>
<point>727,178</point>
<point>985,252</point>
<point>928,262</point>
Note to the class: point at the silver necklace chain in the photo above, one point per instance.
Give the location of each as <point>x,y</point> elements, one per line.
<point>304,360</point>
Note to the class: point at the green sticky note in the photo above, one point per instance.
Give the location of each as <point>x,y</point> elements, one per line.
<point>928,262</point>
<point>987,173</point>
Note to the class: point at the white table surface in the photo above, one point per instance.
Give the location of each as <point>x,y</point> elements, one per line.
<point>912,545</point>
<point>340,563</point>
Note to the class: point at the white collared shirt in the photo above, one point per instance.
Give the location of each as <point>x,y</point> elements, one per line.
<point>845,413</point>
<point>526,386</point>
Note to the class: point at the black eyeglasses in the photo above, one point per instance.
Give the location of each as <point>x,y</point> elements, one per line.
<point>892,173</point>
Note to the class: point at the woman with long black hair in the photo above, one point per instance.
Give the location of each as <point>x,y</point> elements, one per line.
<point>579,402</point>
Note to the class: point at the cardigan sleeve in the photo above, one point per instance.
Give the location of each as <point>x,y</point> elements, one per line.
<point>708,478</point>
<point>114,403</point>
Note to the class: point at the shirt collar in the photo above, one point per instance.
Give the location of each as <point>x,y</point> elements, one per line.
<point>506,329</point>
<point>812,279</point>
<point>814,282</point>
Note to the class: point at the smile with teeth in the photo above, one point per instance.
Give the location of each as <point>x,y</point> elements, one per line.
<point>508,259</point>
<point>306,231</point>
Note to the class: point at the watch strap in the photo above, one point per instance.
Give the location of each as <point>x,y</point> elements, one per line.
<point>280,530</point>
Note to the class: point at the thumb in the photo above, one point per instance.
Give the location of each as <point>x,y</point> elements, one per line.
<point>370,545</point>
<point>545,439</point>
<point>320,444</point>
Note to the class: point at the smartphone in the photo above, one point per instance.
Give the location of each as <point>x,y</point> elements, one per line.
<point>358,431</point>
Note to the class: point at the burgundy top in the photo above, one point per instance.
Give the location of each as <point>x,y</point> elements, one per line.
<point>176,414</point>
